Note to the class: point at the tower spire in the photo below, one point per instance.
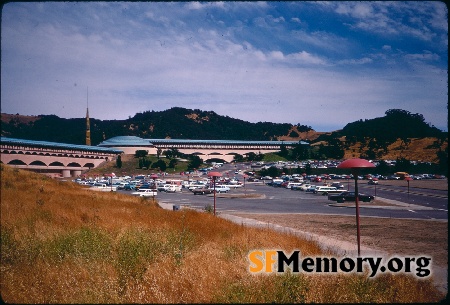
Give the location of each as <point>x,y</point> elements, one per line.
<point>88,127</point>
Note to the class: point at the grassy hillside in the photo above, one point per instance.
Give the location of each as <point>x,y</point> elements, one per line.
<point>61,243</point>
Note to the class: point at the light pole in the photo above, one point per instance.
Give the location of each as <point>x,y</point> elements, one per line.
<point>355,165</point>
<point>214,175</point>
<point>154,176</point>
<point>245,190</point>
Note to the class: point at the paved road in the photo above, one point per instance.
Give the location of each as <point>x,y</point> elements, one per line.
<point>423,203</point>
<point>280,200</point>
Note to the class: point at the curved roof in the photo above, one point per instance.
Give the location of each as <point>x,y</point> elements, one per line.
<point>136,141</point>
<point>125,141</point>
<point>32,143</point>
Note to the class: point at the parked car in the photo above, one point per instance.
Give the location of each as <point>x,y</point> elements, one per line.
<point>145,193</point>
<point>325,190</point>
<point>373,181</point>
<point>129,187</point>
<point>173,188</point>
<point>304,187</point>
<point>292,185</point>
<point>221,189</point>
<point>202,191</point>
<point>311,189</point>
<point>337,185</point>
<point>350,196</point>
<point>163,187</point>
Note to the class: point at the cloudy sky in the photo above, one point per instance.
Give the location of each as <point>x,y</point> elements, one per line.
<point>321,64</point>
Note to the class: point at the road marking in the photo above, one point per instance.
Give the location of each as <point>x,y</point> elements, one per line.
<point>412,211</point>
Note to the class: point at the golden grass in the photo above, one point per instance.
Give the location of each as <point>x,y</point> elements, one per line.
<point>63,244</point>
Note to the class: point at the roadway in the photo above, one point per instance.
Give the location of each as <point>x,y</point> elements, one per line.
<point>417,203</point>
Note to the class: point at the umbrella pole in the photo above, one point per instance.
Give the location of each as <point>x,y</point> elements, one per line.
<point>358,232</point>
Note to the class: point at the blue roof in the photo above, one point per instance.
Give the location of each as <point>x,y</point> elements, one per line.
<point>125,141</point>
<point>58,145</point>
<point>136,141</point>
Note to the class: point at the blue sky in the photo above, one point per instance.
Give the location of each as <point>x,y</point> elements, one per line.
<point>321,64</point>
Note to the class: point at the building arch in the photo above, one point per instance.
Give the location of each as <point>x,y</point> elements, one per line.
<point>216,160</point>
<point>56,163</point>
<point>89,165</point>
<point>16,162</point>
<point>74,164</point>
<point>38,163</point>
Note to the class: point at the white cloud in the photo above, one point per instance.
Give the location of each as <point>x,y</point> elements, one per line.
<point>425,56</point>
<point>145,61</point>
<point>307,58</point>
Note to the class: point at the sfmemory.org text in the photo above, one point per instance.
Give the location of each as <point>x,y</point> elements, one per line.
<point>269,261</point>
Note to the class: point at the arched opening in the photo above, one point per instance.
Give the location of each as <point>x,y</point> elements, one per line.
<point>73,164</point>
<point>216,160</point>
<point>56,163</point>
<point>89,165</point>
<point>16,162</point>
<point>38,163</point>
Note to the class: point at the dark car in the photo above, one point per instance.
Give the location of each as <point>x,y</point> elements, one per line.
<point>202,191</point>
<point>350,196</point>
<point>129,187</point>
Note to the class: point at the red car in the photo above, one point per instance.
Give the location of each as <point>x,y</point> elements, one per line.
<point>317,179</point>
<point>202,191</point>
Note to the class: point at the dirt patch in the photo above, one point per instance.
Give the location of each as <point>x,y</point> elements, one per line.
<point>395,236</point>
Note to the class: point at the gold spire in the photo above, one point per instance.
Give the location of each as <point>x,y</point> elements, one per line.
<point>88,127</point>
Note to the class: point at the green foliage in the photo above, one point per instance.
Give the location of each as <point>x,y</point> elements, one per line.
<point>140,153</point>
<point>273,157</point>
<point>173,123</point>
<point>271,171</point>
<point>87,243</point>
<point>119,161</point>
<point>286,288</point>
<point>209,208</point>
<point>144,162</point>
<point>160,164</point>
<point>293,134</point>
<point>195,162</point>
<point>173,163</point>
<point>396,124</point>
<point>238,158</point>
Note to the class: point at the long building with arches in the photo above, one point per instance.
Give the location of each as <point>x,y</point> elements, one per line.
<point>54,159</point>
<point>206,149</point>
<point>69,160</point>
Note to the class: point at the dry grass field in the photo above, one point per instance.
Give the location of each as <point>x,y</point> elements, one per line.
<point>63,244</point>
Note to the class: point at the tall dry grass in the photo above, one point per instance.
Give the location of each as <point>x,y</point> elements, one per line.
<point>63,244</point>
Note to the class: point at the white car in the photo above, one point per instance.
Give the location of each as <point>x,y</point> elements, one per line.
<point>234,186</point>
<point>173,188</point>
<point>221,189</point>
<point>325,190</point>
<point>304,187</point>
<point>145,193</point>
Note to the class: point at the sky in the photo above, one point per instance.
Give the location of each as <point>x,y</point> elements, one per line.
<point>320,64</point>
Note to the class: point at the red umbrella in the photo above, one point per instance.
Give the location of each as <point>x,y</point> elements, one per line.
<point>355,165</point>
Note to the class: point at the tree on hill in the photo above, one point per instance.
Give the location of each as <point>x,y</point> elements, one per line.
<point>396,124</point>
